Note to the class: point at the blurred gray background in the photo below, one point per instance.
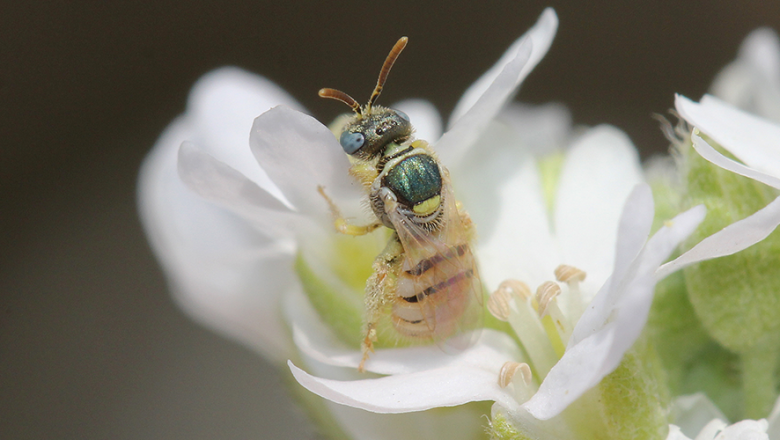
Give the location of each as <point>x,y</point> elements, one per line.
<point>91,345</point>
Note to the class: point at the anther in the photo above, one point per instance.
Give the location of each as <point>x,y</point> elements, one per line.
<point>569,274</point>
<point>498,303</point>
<point>544,294</point>
<point>508,371</point>
<point>515,287</point>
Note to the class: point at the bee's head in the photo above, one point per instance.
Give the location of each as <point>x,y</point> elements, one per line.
<point>372,128</point>
<point>367,136</point>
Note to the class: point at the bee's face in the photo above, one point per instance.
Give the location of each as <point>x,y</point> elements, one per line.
<point>366,136</point>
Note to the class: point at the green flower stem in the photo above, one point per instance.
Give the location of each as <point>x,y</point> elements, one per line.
<point>758,379</point>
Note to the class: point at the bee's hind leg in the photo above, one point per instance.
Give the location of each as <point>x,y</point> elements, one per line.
<point>380,291</point>
<point>465,218</point>
<point>341,223</point>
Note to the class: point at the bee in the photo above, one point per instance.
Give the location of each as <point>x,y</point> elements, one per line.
<point>427,274</point>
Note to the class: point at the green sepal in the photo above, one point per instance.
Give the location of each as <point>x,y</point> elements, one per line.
<point>737,298</point>
<point>675,330</point>
<point>663,177</point>
<point>715,372</point>
<point>500,428</point>
<point>340,313</point>
<point>634,398</point>
<point>333,276</point>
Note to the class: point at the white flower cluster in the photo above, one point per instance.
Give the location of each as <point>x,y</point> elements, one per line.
<point>231,222</point>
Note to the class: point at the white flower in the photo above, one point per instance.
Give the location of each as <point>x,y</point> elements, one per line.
<point>222,270</point>
<point>698,418</point>
<point>229,247</point>
<point>719,430</point>
<point>228,223</point>
<point>752,140</point>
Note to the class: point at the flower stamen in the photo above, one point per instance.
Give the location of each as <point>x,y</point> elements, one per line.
<point>572,276</point>
<point>508,371</point>
<point>498,303</point>
<point>569,274</point>
<point>552,318</point>
<point>545,294</point>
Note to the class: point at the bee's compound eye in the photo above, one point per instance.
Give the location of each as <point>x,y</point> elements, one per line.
<point>351,142</point>
<point>403,115</point>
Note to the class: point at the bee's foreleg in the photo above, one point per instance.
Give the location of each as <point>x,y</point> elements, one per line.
<point>380,291</point>
<point>341,223</point>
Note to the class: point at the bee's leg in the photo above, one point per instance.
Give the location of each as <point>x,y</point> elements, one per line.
<point>380,291</point>
<point>341,223</point>
<point>465,218</point>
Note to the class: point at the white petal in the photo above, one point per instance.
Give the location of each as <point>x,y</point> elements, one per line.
<point>752,140</point>
<point>217,182</point>
<point>729,240</point>
<point>706,151</point>
<point>484,100</point>
<point>743,430</point>
<point>739,235</point>
<point>221,270</point>
<point>491,348</point>
<point>461,423</point>
<point>693,412</point>
<point>425,377</point>
<point>441,387</point>
<point>676,434</point>
<point>712,430</point>
<point>574,374</point>
<point>598,174</point>
<point>735,84</point>
<point>222,105</point>
<point>635,290</point>
<point>542,129</point>
<point>633,230</point>
<point>598,354</point>
<point>761,49</point>
<point>299,154</point>
<point>542,34</point>
<point>424,116</point>
<point>752,82</point>
<point>513,226</point>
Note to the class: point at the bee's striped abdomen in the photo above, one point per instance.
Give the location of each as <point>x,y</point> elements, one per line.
<point>433,293</point>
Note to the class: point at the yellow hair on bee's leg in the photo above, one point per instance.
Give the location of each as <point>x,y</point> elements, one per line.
<point>380,291</point>
<point>341,224</point>
<point>364,172</point>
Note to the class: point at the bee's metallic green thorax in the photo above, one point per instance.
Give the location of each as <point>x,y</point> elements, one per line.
<point>412,178</point>
<point>415,179</point>
<point>367,135</point>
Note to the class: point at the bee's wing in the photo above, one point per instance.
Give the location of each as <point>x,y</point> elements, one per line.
<point>441,269</point>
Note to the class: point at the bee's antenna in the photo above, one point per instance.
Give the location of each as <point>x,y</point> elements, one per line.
<point>341,96</point>
<point>389,61</point>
